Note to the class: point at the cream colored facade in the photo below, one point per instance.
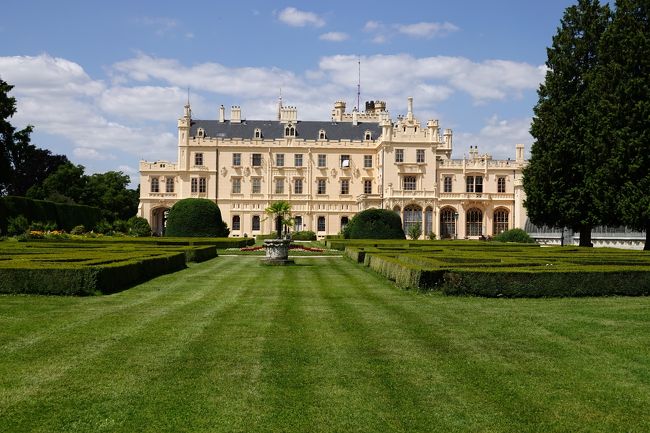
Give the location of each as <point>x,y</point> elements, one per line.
<point>330,170</point>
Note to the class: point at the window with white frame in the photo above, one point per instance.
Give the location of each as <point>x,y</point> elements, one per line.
<point>321,189</point>
<point>474,222</point>
<point>367,186</point>
<point>368,136</point>
<point>500,221</point>
<point>322,135</point>
<point>474,184</point>
<point>289,131</point>
<point>399,155</point>
<point>236,185</point>
<point>501,184</point>
<point>279,185</point>
<point>409,183</point>
<point>345,186</point>
<point>322,160</point>
<point>258,133</point>
<point>419,155</point>
<point>447,184</point>
<point>367,161</point>
<point>345,161</point>
<point>155,185</point>
<point>297,186</point>
<point>169,184</point>
<point>194,184</point>
<point>203,184</point>
<point>198,159</point>
<point>256,185</point>
<point>297,160</point>
<point>236,159</point>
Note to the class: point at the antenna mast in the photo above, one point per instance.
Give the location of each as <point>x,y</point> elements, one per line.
<point>359,86</point>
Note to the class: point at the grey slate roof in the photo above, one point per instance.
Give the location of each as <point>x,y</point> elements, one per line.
<point>272,129</point>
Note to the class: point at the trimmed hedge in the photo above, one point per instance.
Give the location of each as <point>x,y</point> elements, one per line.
<point>195,217</point>
<point>66,216</point>
<point>374,224</point>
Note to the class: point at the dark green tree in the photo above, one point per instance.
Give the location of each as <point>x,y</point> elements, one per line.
<point>374,224</point>
<point>66,185</point>
<point>622,91</point>
<point>109,192</point>
<point>22,165</point>
<point>560,180</point>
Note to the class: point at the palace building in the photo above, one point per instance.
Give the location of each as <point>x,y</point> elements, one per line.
<point>330,170</point>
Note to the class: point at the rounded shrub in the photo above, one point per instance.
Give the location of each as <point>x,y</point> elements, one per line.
<point>374,224</point>
<point>195,217</point>
<point>305,235</point>
<point>514,235</point>
<point>139,227</point>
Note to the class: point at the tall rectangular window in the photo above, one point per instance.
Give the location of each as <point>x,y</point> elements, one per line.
<point>169,184</point>
<point>279,185</point>
<point>447,185</point>
<point>236,185</point>
<point>198,159</point>
<point>501,184</point>
<point>256,185</point>
<point>399,155</point>
<point>321,224</point>
<point>321,186</point>
<point>367,186</point>
<point>236,222</point>
<point>236,159</point>
<point>194,184</point>
<point>256,160</point>
<point>203,184</point>
<point>279,159</point>
<point>297,160</point>
<point>322,160</point>
<point>155,185</point>
<point>409,183</point>
<point>367,161</point>
<point>297,186</point>
<point>345,161</point>
<point>474,184</point>
<point>345,186</point>
<point>419,155</point>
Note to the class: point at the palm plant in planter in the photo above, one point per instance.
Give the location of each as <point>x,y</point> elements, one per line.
<point>281,213</point>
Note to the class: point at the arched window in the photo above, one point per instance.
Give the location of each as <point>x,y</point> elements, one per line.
<point>397,210</point>
<point>201,133</point>
<point>321,224</point>
<point>256,222</point>
<point>155,185</point>
<point>448,217</point>
<point>289,131</point>
<point>236,222</point>
<point>344,222</point>
<point>258,133</point>
<point>412,217</point>
<point>297,223</point>
<point>500,221</point>
<point>322,135</point>
<point>428,221</point>
<point>474,222</point>
<point>368,136</point>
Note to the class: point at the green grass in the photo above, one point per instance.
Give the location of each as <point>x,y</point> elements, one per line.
<point>230,345</point>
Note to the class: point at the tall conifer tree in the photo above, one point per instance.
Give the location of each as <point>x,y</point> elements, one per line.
<point>559,181</point>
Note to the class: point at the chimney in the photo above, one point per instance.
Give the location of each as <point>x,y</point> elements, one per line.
<point>222,114</point>
<point>235,114</point>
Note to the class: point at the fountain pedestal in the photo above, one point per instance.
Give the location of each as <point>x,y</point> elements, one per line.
<point>277,251</point>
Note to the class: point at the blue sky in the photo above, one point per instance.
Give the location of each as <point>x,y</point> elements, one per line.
<point>105,82</point>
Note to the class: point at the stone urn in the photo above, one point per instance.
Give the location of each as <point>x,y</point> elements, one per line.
<point>277,251</point>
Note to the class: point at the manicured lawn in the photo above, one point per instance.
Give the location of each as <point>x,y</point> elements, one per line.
<point>229,345</point>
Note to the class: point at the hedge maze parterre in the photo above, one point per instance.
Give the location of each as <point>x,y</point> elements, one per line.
<point>97,266</point>
<point>510,270</point>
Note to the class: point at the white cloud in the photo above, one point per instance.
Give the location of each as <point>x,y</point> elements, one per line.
<point>334,37</point>
<point>297,18</point>
<point>143,102</point>
<point>426,30</point>
<point>372,26</point>
<point>498,136</point>
<point>160,25</point>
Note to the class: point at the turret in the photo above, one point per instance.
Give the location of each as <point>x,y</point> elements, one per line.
<point>520,153</point>
<point>448,138</point>
<point>432,127</point>
<point>338,112</point>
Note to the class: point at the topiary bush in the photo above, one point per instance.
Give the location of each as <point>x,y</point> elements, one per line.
<point>196,217</point>
<point>305,235</point>
<point>374,224</point>
<point>139,227</point>
<point>514,235</point>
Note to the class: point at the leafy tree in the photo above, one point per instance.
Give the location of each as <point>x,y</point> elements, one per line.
<point>109,192</point>
<point>195,217</point>
<point>281,213</point>
<point>374,224</point>
<point>415,231</point>
<point>66,185</point>
<point>22,164</point>
<point>622,89</point>
<point>560,180</point>
<point>139,227</point>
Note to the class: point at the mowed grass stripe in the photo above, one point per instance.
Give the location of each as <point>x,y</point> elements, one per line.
<point>163,331</point>
<point>496,377</point>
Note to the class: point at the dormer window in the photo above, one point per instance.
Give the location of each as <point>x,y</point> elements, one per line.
<point>289,131</point>
<point>322,135</point>
<point>368,136</point>
<point>200,133</point>
<point>257,133</point>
